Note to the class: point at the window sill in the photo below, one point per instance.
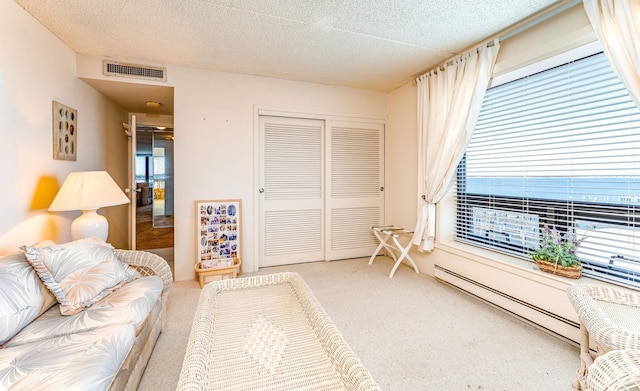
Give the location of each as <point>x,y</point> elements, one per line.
<point>513,265</point>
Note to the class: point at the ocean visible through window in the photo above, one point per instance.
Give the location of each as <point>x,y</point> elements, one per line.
<point>559,148</point>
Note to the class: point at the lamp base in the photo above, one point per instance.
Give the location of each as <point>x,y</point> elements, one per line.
<point>90,224</point>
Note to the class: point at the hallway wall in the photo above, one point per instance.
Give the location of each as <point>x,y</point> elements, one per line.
<point>36,69</point>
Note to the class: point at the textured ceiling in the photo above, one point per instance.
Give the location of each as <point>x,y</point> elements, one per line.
<point>373,44</point>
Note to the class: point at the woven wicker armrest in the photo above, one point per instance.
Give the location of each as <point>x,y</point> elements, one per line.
<point>149,264</point>
<point>616,370</point>
<point>610,315</point>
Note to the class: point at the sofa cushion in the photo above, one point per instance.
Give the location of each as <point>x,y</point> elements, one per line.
<point>23,297</point>
<point>81,361</point>
<point>130,304</point>
<point>79,273</point>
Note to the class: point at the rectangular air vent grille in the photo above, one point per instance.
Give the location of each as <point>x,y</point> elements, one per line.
<point>111,68</point>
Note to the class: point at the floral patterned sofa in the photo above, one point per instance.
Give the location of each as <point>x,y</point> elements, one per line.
<point>79,316</point>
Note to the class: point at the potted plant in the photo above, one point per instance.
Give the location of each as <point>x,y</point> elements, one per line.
<point>557,253</point>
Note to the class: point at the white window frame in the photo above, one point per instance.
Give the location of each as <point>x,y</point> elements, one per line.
<point>448,231</point>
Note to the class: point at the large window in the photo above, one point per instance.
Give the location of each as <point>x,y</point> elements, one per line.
<point>559,148</point>
<point>142,171</point>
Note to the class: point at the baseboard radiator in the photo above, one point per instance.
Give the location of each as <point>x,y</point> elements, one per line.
<point>554,324</point>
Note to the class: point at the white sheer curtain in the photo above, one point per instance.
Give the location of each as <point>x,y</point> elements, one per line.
<point>617,26</point>
<point>449,101</point>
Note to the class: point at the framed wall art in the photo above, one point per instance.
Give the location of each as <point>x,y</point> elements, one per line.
<point>65,132</point>
<point>218,227</point>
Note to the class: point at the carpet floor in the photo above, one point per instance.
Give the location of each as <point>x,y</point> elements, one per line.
<point>412,332</point>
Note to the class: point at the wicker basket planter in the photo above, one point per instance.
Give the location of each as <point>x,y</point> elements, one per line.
<point>574,272</point>
<point>227,271</point>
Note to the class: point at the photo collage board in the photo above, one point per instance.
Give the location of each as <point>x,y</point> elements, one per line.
<point>218,232</point>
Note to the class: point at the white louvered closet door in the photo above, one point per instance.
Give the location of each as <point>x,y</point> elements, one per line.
<point>355,192</point>
<point>291,191</point>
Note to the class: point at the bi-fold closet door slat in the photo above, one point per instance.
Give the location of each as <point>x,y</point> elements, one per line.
<point>355,184</point>
<point>321,184</point>
<point>292,184</point>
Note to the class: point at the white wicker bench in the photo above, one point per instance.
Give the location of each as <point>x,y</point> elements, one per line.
<point>267,333</point>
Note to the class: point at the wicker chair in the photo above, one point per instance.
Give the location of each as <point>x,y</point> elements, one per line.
<point>610,318</point>
<point>615,370</point>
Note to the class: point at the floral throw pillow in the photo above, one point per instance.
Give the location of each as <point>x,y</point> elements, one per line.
<point>79,273</point>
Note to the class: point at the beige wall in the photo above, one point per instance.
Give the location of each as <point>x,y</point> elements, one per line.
<point>214,146</point>
<point>215,140</point>
<point>36,69</point>
<point>214,135</point>
<point>401,158</point>
<point>214,122</point>
<point>563,32</point>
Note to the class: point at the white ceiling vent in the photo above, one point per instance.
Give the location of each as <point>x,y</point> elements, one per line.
<point>112,68</point>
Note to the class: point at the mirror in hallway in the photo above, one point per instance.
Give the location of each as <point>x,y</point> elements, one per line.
<point>162,178</point>
<point>154,177</point>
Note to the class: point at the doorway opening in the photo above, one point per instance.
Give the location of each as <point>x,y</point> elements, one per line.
<point>146,105</point>
<point>154,178</point>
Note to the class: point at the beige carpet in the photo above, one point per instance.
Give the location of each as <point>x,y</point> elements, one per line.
<point>411,332</point>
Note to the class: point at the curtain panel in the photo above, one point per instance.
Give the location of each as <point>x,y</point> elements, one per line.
<point>449,101</point>
<point>617,26</point>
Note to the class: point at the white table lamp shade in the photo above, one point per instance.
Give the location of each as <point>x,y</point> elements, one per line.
<point>88,191</point>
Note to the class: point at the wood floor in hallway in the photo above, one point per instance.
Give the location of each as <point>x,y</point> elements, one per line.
<point>148,237</point>
<point>155,240</point>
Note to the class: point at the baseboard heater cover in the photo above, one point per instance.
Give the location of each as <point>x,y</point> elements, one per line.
<point>549,322</point>
<point>114,68</point>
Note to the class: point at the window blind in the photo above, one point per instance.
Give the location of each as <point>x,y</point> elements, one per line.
<point>559,148</point>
